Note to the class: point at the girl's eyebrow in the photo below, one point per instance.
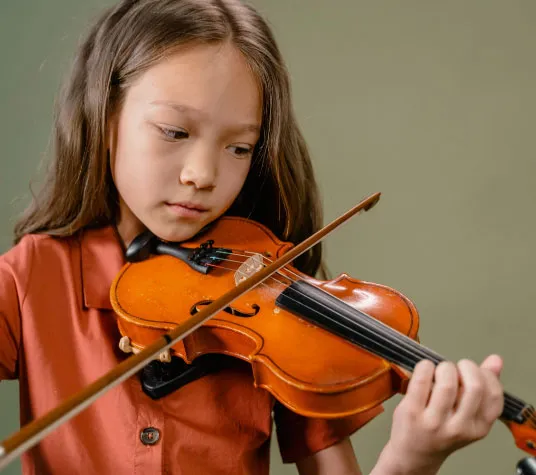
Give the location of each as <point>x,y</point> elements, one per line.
<point>246,128</point>
<point>176,106</point>
<point>256,128</point>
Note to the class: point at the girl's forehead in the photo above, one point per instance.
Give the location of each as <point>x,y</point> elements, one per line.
<point>201,78</point>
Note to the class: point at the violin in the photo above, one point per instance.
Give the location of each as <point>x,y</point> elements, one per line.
<point>231,290</point>
<point>305,339</point>
<point>353,342</point>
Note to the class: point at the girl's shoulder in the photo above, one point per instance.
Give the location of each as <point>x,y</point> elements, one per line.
<point>31,246</point>
<point>36,252</point>
<point>43,266</point>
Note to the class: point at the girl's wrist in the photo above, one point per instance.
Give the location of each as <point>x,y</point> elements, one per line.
<point>396,462</point>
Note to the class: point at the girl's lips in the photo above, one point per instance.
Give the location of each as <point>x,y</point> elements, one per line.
<point>187,210</point>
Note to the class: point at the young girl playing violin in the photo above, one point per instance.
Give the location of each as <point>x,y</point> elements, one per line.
<point>178,112</point>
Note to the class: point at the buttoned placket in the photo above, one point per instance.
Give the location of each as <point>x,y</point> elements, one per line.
<point>148,453</point>
<point>97,273</point>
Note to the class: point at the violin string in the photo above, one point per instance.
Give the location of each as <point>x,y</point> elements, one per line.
<point>241,262</point>
<point>531,417</point>
<point>374,321</point>
<point>511,402</point>
<point>251,253</point>
<point>384,328</point>
<point>405,361</point>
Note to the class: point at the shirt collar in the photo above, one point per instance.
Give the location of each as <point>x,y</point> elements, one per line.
<point>102,257</point>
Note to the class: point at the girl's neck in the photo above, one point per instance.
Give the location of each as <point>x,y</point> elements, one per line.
<point>128,225</point>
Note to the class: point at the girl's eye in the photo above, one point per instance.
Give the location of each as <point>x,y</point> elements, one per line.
<point>241,151</point>
<point>174,134</point>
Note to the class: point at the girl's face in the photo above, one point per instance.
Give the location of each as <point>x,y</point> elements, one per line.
<point>182,142</point>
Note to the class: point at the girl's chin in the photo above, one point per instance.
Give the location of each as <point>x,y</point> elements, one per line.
<point>177,233</point>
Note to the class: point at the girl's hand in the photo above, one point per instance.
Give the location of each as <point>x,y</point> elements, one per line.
<point>445,408</point>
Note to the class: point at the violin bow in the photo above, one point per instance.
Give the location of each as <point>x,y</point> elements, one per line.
<point>35,431</point>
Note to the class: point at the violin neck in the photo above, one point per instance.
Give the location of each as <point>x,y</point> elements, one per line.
<point>336,316</point>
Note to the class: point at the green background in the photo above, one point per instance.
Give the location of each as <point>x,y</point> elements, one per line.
<point>432,103</point>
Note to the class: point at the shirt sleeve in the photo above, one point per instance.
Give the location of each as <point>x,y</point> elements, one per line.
<point>10,327</point>
<point>299,436</point>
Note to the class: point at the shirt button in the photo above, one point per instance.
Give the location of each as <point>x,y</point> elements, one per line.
<point>150,436</point>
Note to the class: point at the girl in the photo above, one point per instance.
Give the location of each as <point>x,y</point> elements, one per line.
<point>177,112</point>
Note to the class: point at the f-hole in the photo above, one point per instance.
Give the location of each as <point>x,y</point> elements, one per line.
<point>237,313</point>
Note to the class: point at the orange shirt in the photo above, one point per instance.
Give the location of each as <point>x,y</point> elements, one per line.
<point>58,334</point>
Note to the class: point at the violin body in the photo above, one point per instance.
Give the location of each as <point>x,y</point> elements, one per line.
<point>307,368</point>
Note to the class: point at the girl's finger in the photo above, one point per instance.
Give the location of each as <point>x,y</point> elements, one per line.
<point>444,391</point>
<point>474,387</point>
<point>494,363</point>
<point>420,385</point>
<point>493,403</point>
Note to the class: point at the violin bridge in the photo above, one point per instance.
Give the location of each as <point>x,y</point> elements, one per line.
<point>249,267</point>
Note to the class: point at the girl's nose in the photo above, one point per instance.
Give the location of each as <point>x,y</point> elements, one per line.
<point>200,168</point>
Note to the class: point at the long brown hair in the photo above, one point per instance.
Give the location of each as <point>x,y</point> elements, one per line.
<point>280,191</point>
